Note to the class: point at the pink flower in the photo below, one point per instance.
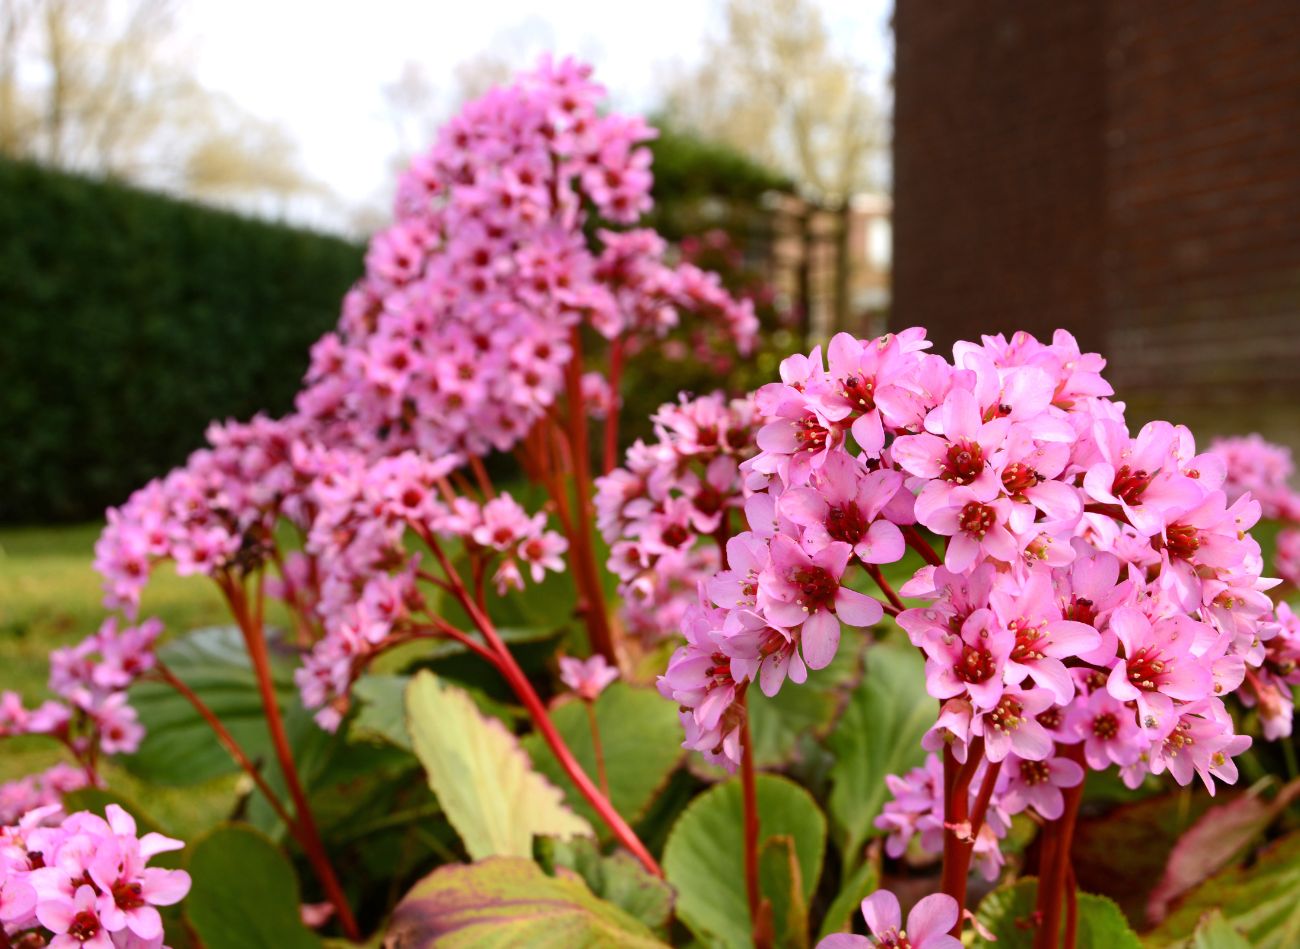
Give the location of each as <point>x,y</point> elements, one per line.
<point>1158,665</point>
<point>928,924</point>
<point>972,662</point>
<point>75,922</point>
<point>802,590</point>
<point>842,502</point>
<point>587,677</point>
<point>1038,784</point>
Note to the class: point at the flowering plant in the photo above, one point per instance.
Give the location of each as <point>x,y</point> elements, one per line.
<point>971,598</point>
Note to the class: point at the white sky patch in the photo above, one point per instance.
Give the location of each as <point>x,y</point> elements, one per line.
<point>318,68</point>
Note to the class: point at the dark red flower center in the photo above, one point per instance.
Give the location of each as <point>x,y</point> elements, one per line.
<point>810,433</point>
<point>976,665</point>
<point>1146,668</point>
<point>846,523</point>
<point>964,463</point>
<point>861,391</point>
<point>1081,610</point>
<point>1028,639</point>
<point>128,895</point>
<point>1018,478</point>
<point>84,926</point>
<point>977,519</point>
<point>1035,772</point>
<point>675,535</point>
<point>1129,485</point>
<point>816,587</point>
<point>1105,726</point>
<point>1181,541</point>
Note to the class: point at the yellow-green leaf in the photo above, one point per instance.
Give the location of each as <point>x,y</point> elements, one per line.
<point>482,777</point>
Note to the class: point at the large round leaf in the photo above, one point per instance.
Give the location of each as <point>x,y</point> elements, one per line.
<point>481,776</point>
<point>640,737</point>
<point>245,894</point>
<point>704,858</point>
<point>504,902</point>
<point>1007,912</point>
<point>179,748</point>
<point>879,733</point>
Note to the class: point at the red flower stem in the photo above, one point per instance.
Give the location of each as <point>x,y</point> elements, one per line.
<point>1071,907</point>
<point>304,827</point>
<point>518,682</point>
<point>957,850</point>
<point>749,795</point>
<point>917,542</point>
<point>1052,880</point>
<point>227,741</point>
<point>480,473</point>
<point>611,416</point>
<point>983,798</point>
<point>885,588</point>
<point>597,618</point>
<point>596,748</point>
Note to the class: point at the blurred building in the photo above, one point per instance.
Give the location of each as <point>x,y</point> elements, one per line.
<point>1130,171</point>
<point>833,263</point>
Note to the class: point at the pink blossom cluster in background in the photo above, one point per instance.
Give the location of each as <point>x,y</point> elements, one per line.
<point>458,339</point>
<point>1097,587</point>
<point>368,577</point>
<point>671,494</point>
<point>90,716</point>
<point>459,334</point>
<point>84,881</point>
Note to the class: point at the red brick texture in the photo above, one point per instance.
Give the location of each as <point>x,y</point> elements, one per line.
<point>1130,171</point>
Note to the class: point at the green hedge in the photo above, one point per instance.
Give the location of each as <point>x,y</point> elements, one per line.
<point>129,320</point>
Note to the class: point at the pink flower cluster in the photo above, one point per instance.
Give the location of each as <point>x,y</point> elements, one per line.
<point>215,512</point>
<point>459,334</point>
<point>91,715</point>
<point>367,576</point>
<point>460,338</point>
<point>1265,470</point>
<point>81,880</point>
<point>1086,571</point>
<point>672,493</point>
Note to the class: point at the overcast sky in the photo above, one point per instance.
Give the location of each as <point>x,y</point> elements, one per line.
<point>318,68</point>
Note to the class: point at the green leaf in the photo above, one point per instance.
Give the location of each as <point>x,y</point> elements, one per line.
<point>781,882</point>
<point>618,878</point>
<point>481,776</point>
<point>860,884</point>
<point>1215,932</point>
<point>504,902</point>
<point>1263,901</point>
<point>640,737</point>
<point>179,748</point>
<point>704,856</point>
<point>1008,913</point>
<point>245,894</point>
<point>879,733</point>
<point>381,708</point>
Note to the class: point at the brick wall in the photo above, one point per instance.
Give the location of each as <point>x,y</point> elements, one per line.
<point>1128,170</point>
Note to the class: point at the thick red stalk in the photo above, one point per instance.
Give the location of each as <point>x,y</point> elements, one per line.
<point>612,415</point>
<point>580,541</point>
<point>1054,874</point>
<point>958,846</point>
<point>917,542</point>
<point>304,828</point>
<point>894,600</point>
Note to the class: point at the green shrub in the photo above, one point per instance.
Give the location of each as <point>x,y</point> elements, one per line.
<point>130,320</point>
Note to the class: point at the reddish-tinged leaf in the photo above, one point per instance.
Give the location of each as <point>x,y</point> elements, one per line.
<point>1210,844</point>
<point>504,902</point>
